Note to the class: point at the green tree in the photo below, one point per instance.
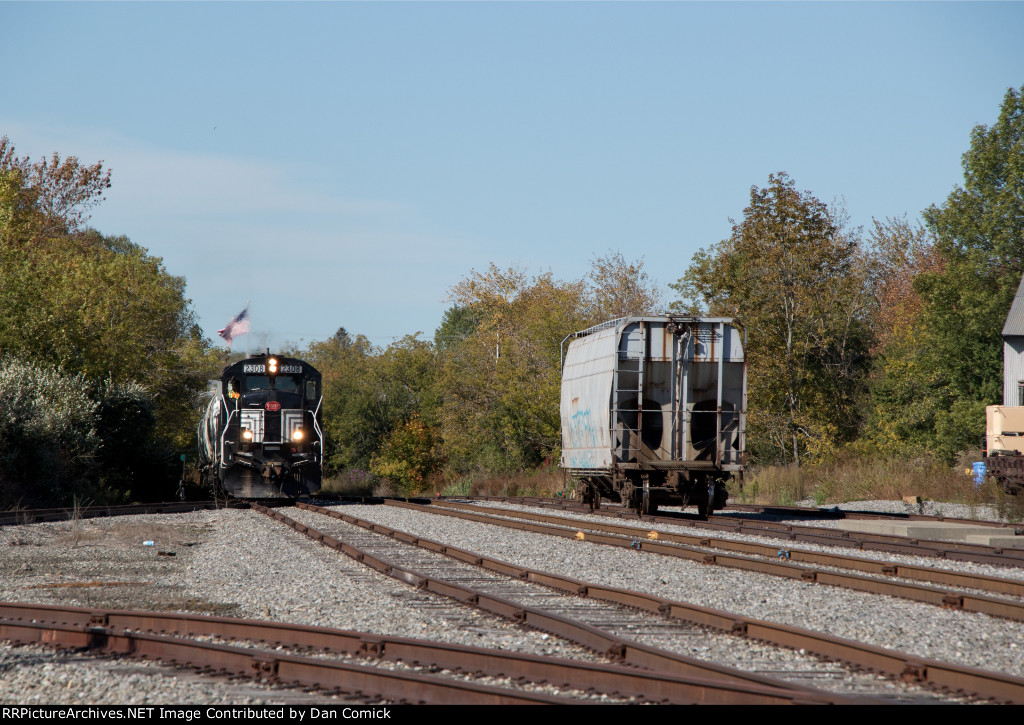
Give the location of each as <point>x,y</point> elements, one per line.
<point>966,294</point>
<point>409,456</point>
<point>73,303</point>
<point>100,306</point>
<point>368,392</point>
<point>499,388</point>
<point>795,277</point>
<point>620,288</point>
<point>343,361</point>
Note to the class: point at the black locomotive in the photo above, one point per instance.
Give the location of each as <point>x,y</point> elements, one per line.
<point>262,433</point>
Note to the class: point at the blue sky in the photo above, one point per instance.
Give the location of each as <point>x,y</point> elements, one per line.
<point>343,164</point>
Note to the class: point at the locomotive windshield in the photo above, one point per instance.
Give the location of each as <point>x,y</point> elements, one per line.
<point>283,383</point>
<point>257,382</point>
<point>287,383</point>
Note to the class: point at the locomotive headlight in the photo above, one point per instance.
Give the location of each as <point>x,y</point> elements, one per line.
<point>297,434</point>
<point>272,362</point>
<point>246,434</point>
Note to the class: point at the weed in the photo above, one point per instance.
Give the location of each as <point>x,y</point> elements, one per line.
<point>351,482</point>
<point>858,478</point>
<point>78,509</point>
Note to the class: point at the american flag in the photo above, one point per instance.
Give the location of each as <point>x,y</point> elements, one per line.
<point>238,326</point>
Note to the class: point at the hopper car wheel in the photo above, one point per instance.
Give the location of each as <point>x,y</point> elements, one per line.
<point>705,502</point>
<point>587,494</point>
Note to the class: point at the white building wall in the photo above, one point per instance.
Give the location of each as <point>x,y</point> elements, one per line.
<point>1013,369</point>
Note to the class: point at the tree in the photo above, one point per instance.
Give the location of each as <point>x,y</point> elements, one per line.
<point>900,407</point>
<point>343,362</point>
<point>619,288</point>
<point>795,277</point>
<point>55,195</point>
<point>967,294</point>
<point>409,456</point>
<point>369,392</point>
<point>100,306</point>
<point>498,388</point>
<point>75,304</point>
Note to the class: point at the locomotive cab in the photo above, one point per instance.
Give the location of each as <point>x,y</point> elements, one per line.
<point>263,434</point>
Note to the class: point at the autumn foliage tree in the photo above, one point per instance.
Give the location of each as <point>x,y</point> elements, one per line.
<point>98,306</point>
<point>51,197</point>
<point>498,387</point>
<point>900,408</point>
<point>409,457</point>
<point>795,277</point>
<point>944,290</point>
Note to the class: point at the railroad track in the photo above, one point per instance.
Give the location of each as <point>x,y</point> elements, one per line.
<point>279,653</point>
<point>943,676</point>
<point>97,630</point>
<point>734,509</point>
<point>18,517</point>
<point>724,522</point>
<point>844,571</point>
<point>502,591</point>
<point>911,667</point>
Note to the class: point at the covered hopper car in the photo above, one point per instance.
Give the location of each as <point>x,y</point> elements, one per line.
<point>262,435</point>
<point>653,411</point>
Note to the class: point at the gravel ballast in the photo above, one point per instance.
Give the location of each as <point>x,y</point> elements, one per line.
<point>918,629</point>
<point>241,563</point>
<point>229,563</point>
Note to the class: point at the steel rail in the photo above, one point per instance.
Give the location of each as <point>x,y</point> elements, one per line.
<point>67,513</point>
<point>585,676</point>
<point>796,512</point>
<point>834,513</point>
<point>291,670</point>
<point>953,551</point>
<point>646,539</point>
<point>605,643</point>
<point>942,675</point>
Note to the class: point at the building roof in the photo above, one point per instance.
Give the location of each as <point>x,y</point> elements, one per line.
<point>1015,320</point>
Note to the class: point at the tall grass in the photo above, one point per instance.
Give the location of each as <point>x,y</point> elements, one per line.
<point>546,482</point>
<point>860,478</point>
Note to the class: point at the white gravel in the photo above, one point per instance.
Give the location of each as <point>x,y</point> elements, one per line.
<point>918,629</point>
<point>1008,572</point>
<point>227,562</point>
<point>240,563</point>
<point>980,512</point>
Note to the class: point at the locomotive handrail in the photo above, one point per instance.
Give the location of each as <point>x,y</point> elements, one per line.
<point>316,427</point>
<point>227,422</point>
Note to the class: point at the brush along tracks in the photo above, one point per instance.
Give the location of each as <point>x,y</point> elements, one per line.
<point>600,629</point>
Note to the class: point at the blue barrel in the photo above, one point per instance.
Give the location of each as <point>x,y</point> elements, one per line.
<point>979,473</point>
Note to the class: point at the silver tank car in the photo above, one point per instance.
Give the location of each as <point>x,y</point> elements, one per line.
<point>653,410</point>
<point>262,435</point>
